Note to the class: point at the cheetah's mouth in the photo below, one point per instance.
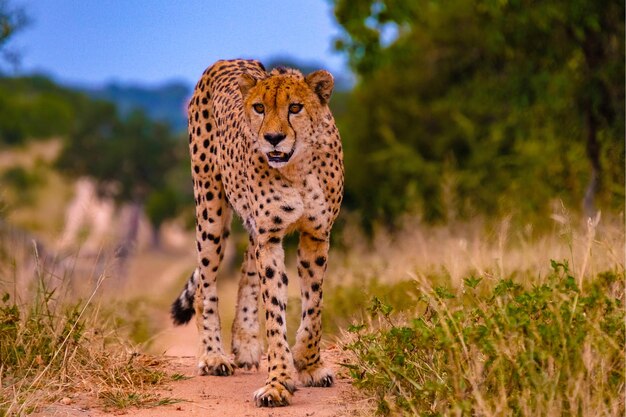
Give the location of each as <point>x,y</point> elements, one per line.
<point>276,156</point>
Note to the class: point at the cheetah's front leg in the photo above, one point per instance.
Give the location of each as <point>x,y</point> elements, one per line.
<point>312,257</point>
<point>279,386</point>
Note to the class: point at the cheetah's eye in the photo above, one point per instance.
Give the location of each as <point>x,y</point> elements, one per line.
<point>295,108</point>
<point>259,108</point>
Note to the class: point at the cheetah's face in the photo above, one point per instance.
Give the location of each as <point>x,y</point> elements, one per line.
<point>283,111</point>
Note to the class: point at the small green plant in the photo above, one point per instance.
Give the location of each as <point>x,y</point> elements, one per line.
<point>179,377</point>
<point>509,349</point>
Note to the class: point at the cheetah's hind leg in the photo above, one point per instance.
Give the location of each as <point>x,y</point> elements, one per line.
<point>246,344</point>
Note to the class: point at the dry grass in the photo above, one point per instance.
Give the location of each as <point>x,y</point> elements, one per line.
<point>456,251</point>
<point>55,347</point>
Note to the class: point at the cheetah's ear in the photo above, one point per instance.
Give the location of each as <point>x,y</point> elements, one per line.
<point>246,82</point>
<point>322,83</point>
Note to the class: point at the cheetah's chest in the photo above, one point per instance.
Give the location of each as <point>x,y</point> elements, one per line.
<point>315,214</point>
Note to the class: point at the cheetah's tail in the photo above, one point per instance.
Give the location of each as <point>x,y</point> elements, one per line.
<point>182,308</point>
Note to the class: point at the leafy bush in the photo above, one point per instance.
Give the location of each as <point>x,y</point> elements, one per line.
<point>556,348</point>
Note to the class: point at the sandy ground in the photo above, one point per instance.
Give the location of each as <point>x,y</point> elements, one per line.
<point>212,396</point>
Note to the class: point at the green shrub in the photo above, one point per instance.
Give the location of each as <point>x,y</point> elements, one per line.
<point>549,349</point>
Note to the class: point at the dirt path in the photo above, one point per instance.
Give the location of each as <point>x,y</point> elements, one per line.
<point>211,396</point>
<point>232,396</point>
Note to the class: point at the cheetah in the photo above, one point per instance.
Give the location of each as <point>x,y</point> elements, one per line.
<point>265,146</point>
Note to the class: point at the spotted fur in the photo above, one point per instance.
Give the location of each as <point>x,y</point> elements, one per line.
<point>263,145</point>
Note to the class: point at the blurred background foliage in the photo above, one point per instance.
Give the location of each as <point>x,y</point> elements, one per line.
<point>483,107</point>
<point>460,109</point>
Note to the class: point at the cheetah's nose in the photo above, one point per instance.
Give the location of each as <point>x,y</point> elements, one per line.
<point>274,138</point>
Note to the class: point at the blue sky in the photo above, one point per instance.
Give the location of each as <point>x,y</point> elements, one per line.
<point>151,41</point>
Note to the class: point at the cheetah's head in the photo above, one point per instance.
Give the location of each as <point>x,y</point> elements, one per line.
<point>284,111</point>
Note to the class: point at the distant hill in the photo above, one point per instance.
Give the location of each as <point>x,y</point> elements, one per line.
<point>167,103</point>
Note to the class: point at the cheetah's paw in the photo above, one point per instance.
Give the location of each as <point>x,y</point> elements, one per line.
<point>247,352</point>
<point>275,394</point>
<point>318,376</point>
<point>215,364</point>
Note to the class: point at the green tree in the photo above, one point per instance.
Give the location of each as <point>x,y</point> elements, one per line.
<point>129,157</point>
<point>12,20</point>
<point>34,107</point>
<point>485,106</point>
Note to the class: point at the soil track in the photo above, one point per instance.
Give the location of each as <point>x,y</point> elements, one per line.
<point>212,396</point>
